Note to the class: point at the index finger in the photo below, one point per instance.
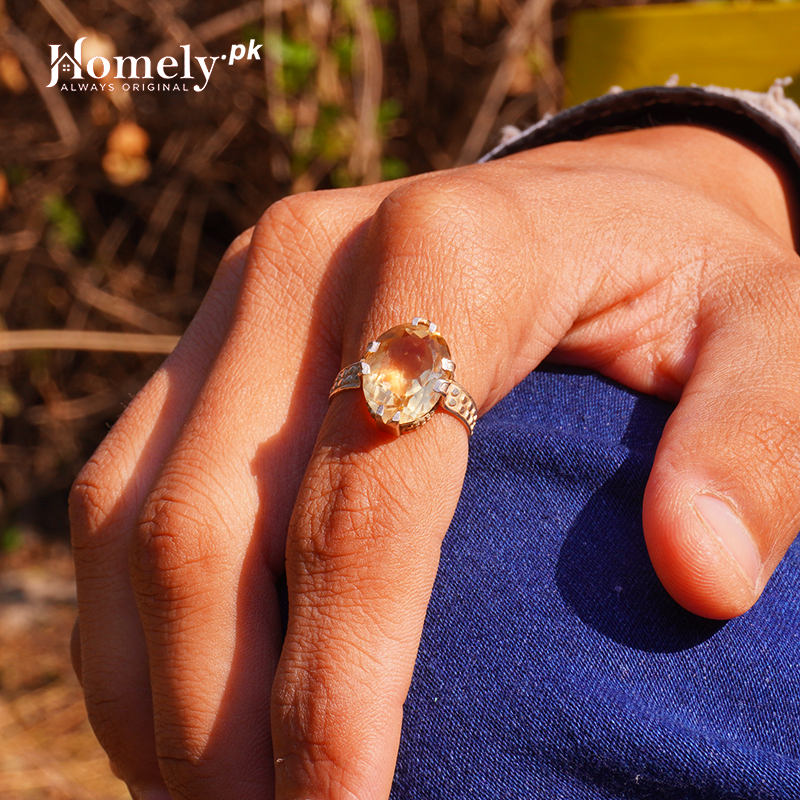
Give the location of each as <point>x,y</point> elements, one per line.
<point>361,561</point>
<point>364,541</point>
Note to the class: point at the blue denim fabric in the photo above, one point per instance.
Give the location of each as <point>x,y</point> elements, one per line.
<point>553,664</point>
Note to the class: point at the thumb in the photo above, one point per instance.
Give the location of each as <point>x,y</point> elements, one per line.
<point>723,501</point>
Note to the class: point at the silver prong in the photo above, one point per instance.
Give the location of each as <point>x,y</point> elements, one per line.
<point>396,417</point>
<point>416,320</point>
<point>365,370</point>
<point>441,386</point>
<point>380,410</point>
<point>448,364</point>
<point>432,326</point>
<point>372,347</point>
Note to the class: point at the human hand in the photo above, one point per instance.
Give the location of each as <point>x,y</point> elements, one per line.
<point>662,258</point>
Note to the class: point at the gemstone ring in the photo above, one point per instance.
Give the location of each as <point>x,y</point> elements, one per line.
<point>405,374</point>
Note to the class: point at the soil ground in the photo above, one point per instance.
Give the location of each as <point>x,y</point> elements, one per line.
<point>47,748</point>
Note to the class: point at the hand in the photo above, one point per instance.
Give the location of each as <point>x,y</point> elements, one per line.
<point>662,258</point>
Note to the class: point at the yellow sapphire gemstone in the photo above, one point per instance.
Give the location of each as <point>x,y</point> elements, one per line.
<point>401,371</point>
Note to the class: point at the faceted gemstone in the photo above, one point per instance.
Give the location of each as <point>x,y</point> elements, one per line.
<point>403,372</point>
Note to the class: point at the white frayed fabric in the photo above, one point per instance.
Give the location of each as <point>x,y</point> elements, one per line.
<point>774,103</point>
<point>508,133</point>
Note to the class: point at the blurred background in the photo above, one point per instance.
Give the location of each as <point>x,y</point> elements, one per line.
<point>116,205</point>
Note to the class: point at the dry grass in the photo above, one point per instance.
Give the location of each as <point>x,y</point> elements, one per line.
<point>117,206</point>
<point>47,749</point>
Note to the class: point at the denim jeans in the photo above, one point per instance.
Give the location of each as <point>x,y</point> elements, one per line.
<point>553,664</point>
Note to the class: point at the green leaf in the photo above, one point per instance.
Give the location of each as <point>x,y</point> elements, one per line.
<point>343,47</point>
<point>65,224</point>
<point>17,174</point>
<point>342,178</point>
<point>11,539</point>
<point>393,168</point>
<point>384,24</point>
<point>296,60</point>
<point>249,32</point>
<point>390,109</point>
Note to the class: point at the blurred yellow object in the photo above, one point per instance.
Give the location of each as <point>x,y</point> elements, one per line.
<point>11,75</point>
<point>96,45</point>
<point>742,45</point>
<point>128,139</point>
<point>5,191</point>
<point>125,161</point>
<point>125,170</point>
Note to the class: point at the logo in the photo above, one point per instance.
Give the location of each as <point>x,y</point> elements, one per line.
<point>132,68</point>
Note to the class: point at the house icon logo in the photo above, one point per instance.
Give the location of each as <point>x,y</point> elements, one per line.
<point>170,73</point>
<point>62,64</point>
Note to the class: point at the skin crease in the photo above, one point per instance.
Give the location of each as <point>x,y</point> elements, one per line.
<point>662,258</point>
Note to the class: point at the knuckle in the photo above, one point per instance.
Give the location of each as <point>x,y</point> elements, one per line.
<point>88,505</point>
<point>166,521</point>
<point>319,721</point>
<point>166,529</point>
<point>99,506</point>
<point>290,227</point>
<point>93,498</point>
<point>458,206</point>
<point>288,259</point>
<point>293,212</point>
<point>174,544</point>
<point>106,705</point>
<point>775,431</point>
<point>445,228</point>
<point>426,216</point>
<point>338,514</point>
<point>341,543</point>
<point>186,775</point>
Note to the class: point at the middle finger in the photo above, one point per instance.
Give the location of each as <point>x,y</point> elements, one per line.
<point>210,541</point>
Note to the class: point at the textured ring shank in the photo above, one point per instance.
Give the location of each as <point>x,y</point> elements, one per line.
<point>348,378</point>
<point>456,400</point>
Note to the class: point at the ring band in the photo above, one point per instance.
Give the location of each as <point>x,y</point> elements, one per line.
<point>405,374</point>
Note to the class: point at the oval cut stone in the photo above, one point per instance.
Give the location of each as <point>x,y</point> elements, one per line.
<point>399,387</point>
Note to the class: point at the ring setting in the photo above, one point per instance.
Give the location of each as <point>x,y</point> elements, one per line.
<point>405,374</point>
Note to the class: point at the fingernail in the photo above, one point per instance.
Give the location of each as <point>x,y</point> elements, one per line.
<point>729,531</point>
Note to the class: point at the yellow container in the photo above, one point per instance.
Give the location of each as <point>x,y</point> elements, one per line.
<point>743,45</point>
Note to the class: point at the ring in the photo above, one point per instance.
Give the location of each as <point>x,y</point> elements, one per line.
<point>405,374</point>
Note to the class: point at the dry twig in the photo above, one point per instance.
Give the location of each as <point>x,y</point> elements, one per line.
<point>276,100</point>
<point>121,309</point>
<point>365,160</point>
<point>229,21</point>
<point>190,242</point>
<point>517,41</point>
<point>40,76</point>
<point>87,340</point>
<point>417,63</point>
<point>63,17</point>
<point>14,242</point>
